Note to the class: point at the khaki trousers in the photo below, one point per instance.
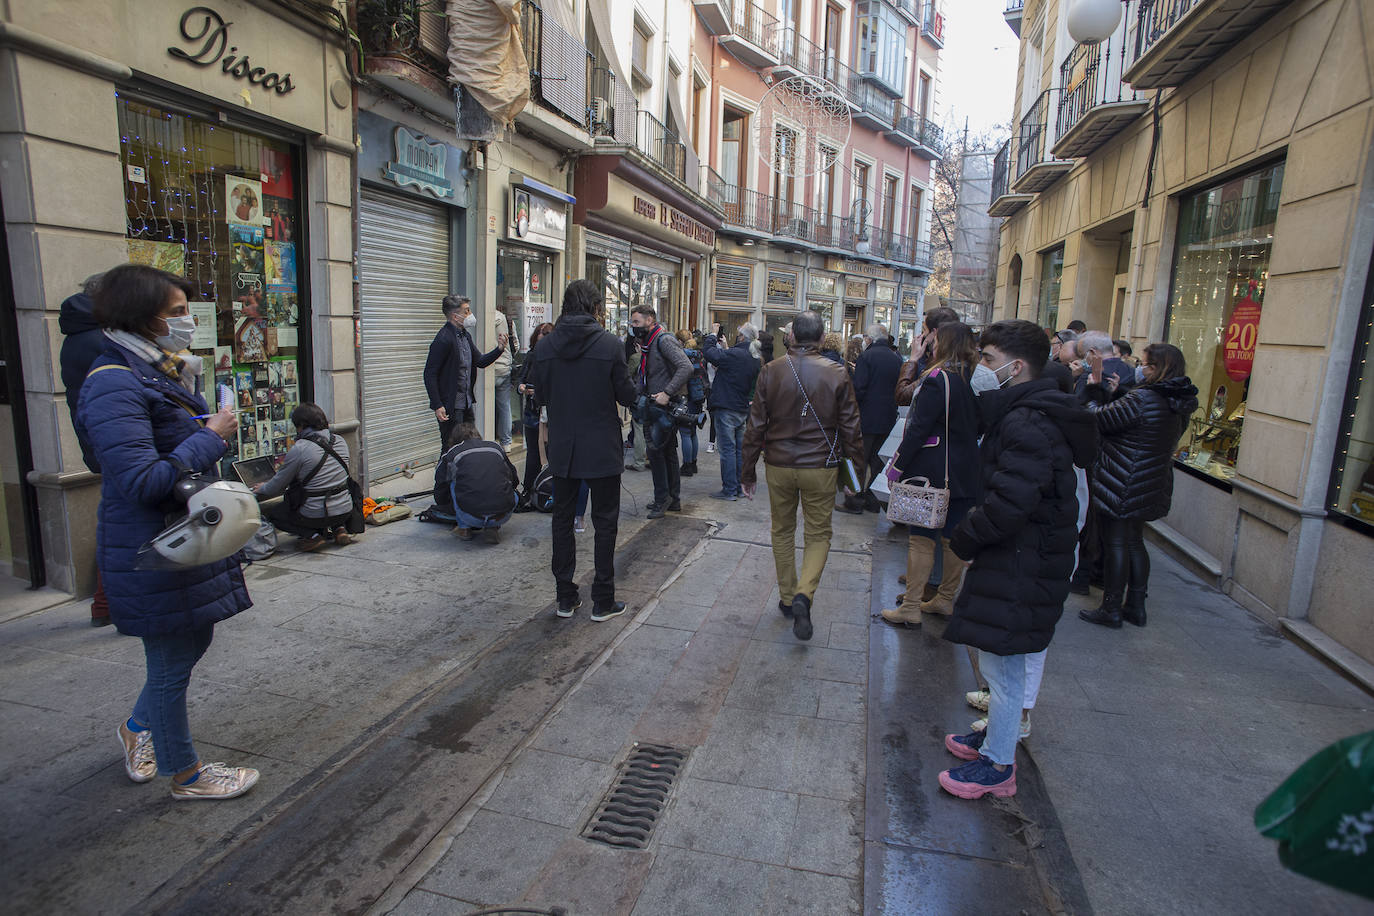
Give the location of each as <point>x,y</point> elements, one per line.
<point>814,489</point>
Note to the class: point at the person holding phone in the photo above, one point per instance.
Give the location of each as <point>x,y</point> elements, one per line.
<point>138,409</point>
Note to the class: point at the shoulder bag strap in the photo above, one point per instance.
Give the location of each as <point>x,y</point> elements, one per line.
<point>830,458</point>
<point>946,432</point>
<point>328,453</point>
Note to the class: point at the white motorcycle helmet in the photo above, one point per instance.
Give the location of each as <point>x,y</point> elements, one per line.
<point>221,517</point>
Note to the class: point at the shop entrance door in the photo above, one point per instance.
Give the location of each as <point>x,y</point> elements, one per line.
<point>403,255</point>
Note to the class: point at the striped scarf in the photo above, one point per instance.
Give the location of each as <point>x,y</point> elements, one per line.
<point>177,368</point>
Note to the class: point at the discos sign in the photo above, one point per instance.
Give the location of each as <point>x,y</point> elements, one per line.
<point>207,37</point>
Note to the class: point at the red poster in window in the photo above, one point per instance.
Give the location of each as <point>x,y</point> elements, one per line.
<point>1242,333</point>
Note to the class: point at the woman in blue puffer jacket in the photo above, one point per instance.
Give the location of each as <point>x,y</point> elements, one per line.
<point>138,409</point>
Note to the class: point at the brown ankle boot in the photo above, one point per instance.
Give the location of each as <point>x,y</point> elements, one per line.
<point>952,578</point>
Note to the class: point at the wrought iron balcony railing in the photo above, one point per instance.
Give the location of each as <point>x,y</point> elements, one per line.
<point>933,23</point>
<point>754,24</point>
<point>655,140</point>
<point>1090,104</point>
<point>748,209</point>
<point>794,221</point>
<point>1155,17</point>
<point>1015,6</point>
<point>1033,135</point>
<point>1001,171</point>
<point>405,30</point>
<point>797,52</point>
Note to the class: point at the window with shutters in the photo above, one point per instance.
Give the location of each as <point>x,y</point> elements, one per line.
<point>732,281</point>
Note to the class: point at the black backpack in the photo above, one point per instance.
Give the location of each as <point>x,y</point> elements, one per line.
<point>541,494</point>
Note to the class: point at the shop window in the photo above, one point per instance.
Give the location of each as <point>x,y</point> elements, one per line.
<point>907,336</point>
<point>1352,484</point>
<point>221,207</point>
<point>613,277</point>
<point>825,308</point>
<point>1051,275</point>
<point>773,323</point>
<point>1221,265</point>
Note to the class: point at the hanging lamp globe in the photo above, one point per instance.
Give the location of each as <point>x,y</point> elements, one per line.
<point>1093,21</point>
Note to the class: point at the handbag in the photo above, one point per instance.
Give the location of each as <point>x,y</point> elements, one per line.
<point>355,524</point>
<point>920,504</point>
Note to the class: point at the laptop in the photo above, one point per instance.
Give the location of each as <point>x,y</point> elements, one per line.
<point>253,471</point>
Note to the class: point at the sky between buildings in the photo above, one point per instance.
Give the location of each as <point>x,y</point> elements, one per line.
<point>977,65</point>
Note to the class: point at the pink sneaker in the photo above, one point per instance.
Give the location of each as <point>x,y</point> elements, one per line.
<point>978,778</point>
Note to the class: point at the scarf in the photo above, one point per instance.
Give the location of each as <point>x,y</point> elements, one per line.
<point>644,349</point>
<point>184,368</point>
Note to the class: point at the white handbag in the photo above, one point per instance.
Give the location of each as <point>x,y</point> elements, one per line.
<point>914,501</point>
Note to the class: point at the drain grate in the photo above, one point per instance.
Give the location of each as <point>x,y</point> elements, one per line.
<point>627,815</point>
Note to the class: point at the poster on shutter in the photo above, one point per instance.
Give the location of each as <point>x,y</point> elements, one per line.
<point>1242,334</point>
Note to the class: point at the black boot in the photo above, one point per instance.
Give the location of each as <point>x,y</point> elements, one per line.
<point>1108,615</point>
<point>688,468</point>
<point>801,617</point>
<point>1133,611</point>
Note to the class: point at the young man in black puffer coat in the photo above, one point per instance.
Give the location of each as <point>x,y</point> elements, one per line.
<point>1020,539</point>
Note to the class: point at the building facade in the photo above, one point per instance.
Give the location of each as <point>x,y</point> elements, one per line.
<point>840,229</point>
<point>213,141</point>
<point>1203,177</point>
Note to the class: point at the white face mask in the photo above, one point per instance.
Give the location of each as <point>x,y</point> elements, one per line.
<point>470,322</point>
<point>181,330</point>
<point>1003,382</point>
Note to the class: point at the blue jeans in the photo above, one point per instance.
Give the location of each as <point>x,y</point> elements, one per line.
<point>489,521</point>
<point>730,441</point>
<point>1006,677</point>
<point>584,493</point>
<point>503,427</point>
<point>689,444</point>
<point>162,704</point>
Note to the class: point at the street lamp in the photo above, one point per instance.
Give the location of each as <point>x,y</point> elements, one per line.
<point>1093,21</point>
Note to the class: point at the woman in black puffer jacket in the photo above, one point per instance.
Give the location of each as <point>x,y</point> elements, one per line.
<point>1133,478</point>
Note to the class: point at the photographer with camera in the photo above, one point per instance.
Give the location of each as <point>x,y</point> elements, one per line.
<point>661,383</point>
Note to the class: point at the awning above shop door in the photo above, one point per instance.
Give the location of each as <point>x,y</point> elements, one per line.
<point>404,260</point>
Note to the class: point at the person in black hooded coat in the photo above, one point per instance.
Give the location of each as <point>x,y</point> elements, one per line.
<point>579,374</point>
<point>1020,539</point>
<point>1133,479</point>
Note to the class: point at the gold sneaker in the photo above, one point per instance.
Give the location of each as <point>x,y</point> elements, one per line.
<point>215,780</point>
<point>139,761</point>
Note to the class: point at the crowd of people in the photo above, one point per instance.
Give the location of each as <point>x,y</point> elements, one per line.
<point>1054,448</point>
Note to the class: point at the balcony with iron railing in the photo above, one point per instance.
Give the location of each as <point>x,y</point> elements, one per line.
<point>661,145</point>
<point>1094,105</point>
<point>797,54</point>
<point>920,133</point>
<point>794,224</point>
<point>910,10</point>
<point>747,212</point>
<point>753,34</point>
<point>1176,38</point>
<point>1004,202</point>
<point>1013,14</point>
<point>933,24</point>
<point>876,109</point>
<point>1036,168</point>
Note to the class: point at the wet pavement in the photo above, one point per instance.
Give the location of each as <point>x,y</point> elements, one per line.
<point>434,740</point>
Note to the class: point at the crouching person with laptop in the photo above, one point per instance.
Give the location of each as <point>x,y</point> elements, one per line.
<point>314,481</point>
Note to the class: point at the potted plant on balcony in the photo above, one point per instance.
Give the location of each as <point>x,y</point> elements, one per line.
<point>391,26</point>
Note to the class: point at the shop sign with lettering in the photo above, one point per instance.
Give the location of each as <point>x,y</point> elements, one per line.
<point>536,218</point>
<point>823,284</point>
<point>675,220</point>
<point>419,163</point>
<point>911,304</point>
<point>856,289</point>
<point>782,288</point>
<point>202,25</point>
<point>861,268</point>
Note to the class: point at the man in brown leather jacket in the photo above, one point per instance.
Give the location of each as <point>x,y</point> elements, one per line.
<point>805,421</point>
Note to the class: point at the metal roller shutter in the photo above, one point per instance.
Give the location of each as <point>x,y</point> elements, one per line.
<point>404,260</point>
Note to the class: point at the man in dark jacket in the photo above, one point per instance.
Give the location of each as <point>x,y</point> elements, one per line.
<point>580,376</point>
<point>1020,539</point>
<point>805,421</point>
<point>83,345</point>
<point>1062,352</point>
<point>481,483</point>
<point>663,373</point>
<point>737,368</point>
<point>452,364</point>
<point>875,386</point>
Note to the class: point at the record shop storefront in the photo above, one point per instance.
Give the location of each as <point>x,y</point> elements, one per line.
<point>412,232</point>
<point>213,142</point>
<point>645,239</point>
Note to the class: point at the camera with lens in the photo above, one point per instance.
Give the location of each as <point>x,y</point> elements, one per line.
<point>681,412</point>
